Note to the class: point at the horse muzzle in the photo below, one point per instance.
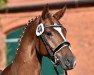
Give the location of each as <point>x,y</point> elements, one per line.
<point>68,63</point>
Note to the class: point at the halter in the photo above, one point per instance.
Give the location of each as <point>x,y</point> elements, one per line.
<point>52,53</point>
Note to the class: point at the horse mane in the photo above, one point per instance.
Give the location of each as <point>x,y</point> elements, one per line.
<point>30,23</point>
<point>27,25</point>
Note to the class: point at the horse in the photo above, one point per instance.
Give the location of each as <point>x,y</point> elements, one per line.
<point>43,36</point>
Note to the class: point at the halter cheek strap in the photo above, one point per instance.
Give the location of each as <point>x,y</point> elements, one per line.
<point>46,44</point>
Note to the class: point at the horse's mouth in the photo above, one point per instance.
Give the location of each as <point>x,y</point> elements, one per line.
<point>66,65</point>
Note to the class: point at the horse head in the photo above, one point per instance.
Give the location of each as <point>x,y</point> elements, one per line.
<point>51,39</point>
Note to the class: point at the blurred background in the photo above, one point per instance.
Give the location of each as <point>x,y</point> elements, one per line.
<point>78,20</point>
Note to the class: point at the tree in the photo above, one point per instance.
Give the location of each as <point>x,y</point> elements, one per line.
<point>3,3</point>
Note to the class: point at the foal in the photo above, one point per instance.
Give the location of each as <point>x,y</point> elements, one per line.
<point>42,37</point>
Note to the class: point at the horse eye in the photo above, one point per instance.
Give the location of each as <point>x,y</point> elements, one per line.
<point>49,33</point>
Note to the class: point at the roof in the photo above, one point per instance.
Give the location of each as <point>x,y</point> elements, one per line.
<point>35,5</point>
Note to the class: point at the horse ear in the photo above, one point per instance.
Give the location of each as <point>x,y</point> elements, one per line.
<point>60,13</point>
<point>45,11</point>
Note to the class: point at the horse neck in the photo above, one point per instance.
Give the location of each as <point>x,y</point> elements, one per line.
<point>27,53</point>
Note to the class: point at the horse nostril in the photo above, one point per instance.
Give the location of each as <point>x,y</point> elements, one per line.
<point>67,62</point>
<point>70,63</point>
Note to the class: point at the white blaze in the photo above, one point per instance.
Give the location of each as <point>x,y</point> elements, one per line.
<point>60,31</point>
